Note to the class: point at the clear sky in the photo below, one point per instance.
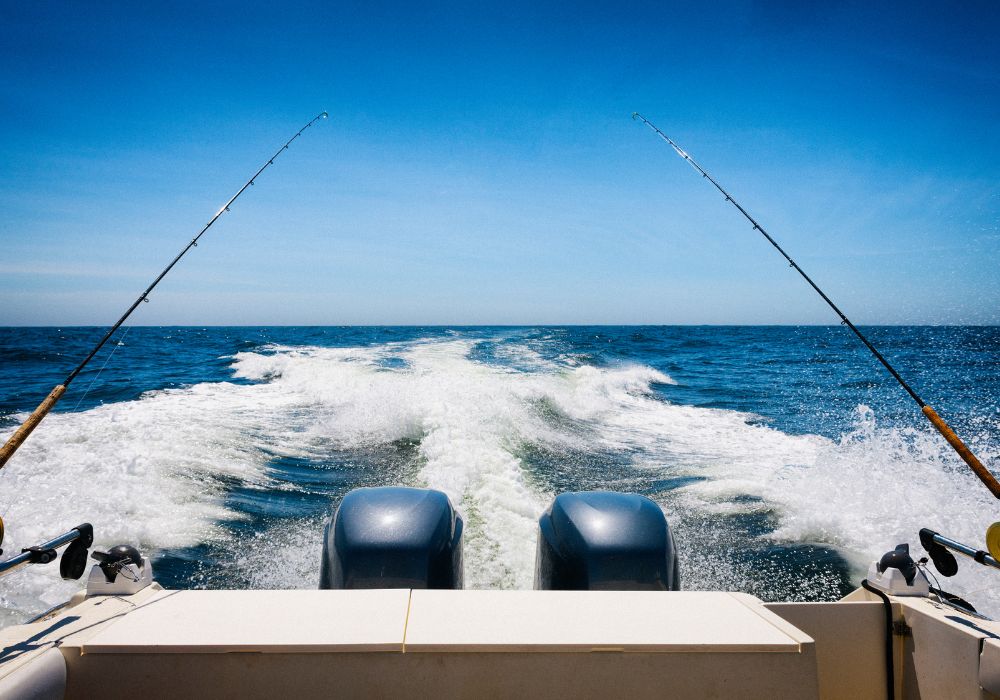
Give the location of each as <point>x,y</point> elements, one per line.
<point>479,165</point>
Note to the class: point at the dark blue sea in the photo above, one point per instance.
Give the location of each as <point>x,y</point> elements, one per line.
<point>785,458</point>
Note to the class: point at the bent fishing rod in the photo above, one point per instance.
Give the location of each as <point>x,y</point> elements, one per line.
<point>960,447</point>
<point>22,433</point>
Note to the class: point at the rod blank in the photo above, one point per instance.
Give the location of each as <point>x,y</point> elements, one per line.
<point>942,427</point>
<point>22,433</point>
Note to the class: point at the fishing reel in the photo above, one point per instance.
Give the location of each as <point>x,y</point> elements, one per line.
<point>993,540</point>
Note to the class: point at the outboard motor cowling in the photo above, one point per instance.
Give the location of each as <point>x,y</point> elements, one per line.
<point>603,540</point>
<point>393,537</point>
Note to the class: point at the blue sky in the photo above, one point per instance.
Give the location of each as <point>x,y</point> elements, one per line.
<point>480,166</point>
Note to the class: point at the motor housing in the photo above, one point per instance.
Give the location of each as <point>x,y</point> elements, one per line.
<point>605,540</point>
<point>393,537</point>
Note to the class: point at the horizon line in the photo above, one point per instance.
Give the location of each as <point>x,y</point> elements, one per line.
<point>517,325</point>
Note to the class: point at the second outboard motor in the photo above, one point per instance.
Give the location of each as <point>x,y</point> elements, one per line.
<point>603,540</point>
<point>393,537</point>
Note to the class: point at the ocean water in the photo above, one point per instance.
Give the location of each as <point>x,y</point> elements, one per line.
<point>785,458</point>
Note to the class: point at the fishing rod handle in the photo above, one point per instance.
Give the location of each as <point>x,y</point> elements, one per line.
<point>22,433</point>
<point>963,451</point>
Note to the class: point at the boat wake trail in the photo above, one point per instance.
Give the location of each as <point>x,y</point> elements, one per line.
<point>229,482</point>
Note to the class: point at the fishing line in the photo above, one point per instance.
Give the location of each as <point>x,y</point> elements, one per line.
<point>114,348</point>
<point>956,443</point>
<point>32,421</point>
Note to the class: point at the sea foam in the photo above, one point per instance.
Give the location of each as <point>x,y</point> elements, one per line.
<point>155,471</point>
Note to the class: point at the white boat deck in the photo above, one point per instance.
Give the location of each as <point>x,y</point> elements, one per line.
<point>502,644</point>
<point>423,620</point>
<point>420,643</point>
<point>220,622</point>
<point>506,621</point>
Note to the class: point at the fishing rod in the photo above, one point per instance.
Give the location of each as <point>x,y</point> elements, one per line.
<point>22,433</point>
<point>960,447</point>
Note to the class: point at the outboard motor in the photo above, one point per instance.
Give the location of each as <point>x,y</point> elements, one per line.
<point>603,540</point>
<point>393,537</point>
